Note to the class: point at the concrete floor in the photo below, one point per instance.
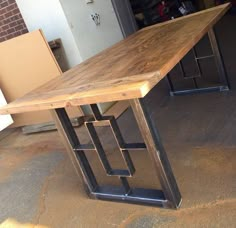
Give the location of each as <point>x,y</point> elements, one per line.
<point>39,188</point>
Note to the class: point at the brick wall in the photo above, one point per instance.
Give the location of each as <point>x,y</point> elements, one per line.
<point>11,21</point>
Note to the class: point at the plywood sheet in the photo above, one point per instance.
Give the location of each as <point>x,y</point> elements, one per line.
<point>26,62</point>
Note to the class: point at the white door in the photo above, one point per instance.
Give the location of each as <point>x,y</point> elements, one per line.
<point>92,38</point>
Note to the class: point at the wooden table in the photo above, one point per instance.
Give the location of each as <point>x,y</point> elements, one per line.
<point>126,71</point>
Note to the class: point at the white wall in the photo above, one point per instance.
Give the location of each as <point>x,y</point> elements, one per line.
<point>90,38</point>
<point>49,16</point>
<point>5,120</point>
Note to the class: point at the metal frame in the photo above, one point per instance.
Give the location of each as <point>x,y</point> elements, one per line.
<point>216,53</point>
<point>167,197</point>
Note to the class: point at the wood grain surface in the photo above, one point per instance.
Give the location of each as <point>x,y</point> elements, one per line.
<point>127,70</point>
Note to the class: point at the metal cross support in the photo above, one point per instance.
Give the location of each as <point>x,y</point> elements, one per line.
<point>168,197</point>
<point>225,86</point>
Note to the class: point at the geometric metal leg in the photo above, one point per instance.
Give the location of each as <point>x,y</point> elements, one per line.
<point>157,153</point>
<point>216,54</point>
<point>70,140</point>
<point>170,84</point>
<point>218,58</point>
<point>168,197</point>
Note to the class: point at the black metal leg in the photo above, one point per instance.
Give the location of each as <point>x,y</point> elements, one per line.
<point>218,58</point>
<point>157,153</point>
<point>225,86</point>
<point>70,141</point>
<point>168,196</point>
<point>170,84</point>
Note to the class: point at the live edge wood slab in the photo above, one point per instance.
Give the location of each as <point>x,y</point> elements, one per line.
<point>127,70</point>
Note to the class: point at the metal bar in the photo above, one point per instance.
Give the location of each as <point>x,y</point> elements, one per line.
<point>218,58</point>
<point>125,184</point>
<point>205,57</point>
<point>67,126</point>
<point>169,83</point>
<point>196,61</point>
<point>121,143</point>
<point>84,147</point>
<point>137,195</point>
<point>182,69</point>
<point>134,146</point>
<point>120,173</point>
<point>201,90</point>
<point>128,161</point>
<point>195,83</point>
<point>116,131</point>
<point>70,140</point>
<point>184,74</point>
<point>193,76</point>
<point>97,144</point>
<point>157,153</point>
<point>198,67</point>
<point>96,113</point>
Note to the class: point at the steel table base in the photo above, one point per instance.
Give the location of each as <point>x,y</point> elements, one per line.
<point>216,54</point>
<point>168,196</point>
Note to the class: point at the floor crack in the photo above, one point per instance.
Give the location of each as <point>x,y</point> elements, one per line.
<point>44,192</point>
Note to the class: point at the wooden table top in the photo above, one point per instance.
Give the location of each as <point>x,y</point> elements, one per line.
<point>127,70</point>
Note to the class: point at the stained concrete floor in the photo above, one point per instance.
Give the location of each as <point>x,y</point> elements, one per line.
<point>39,188</point>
